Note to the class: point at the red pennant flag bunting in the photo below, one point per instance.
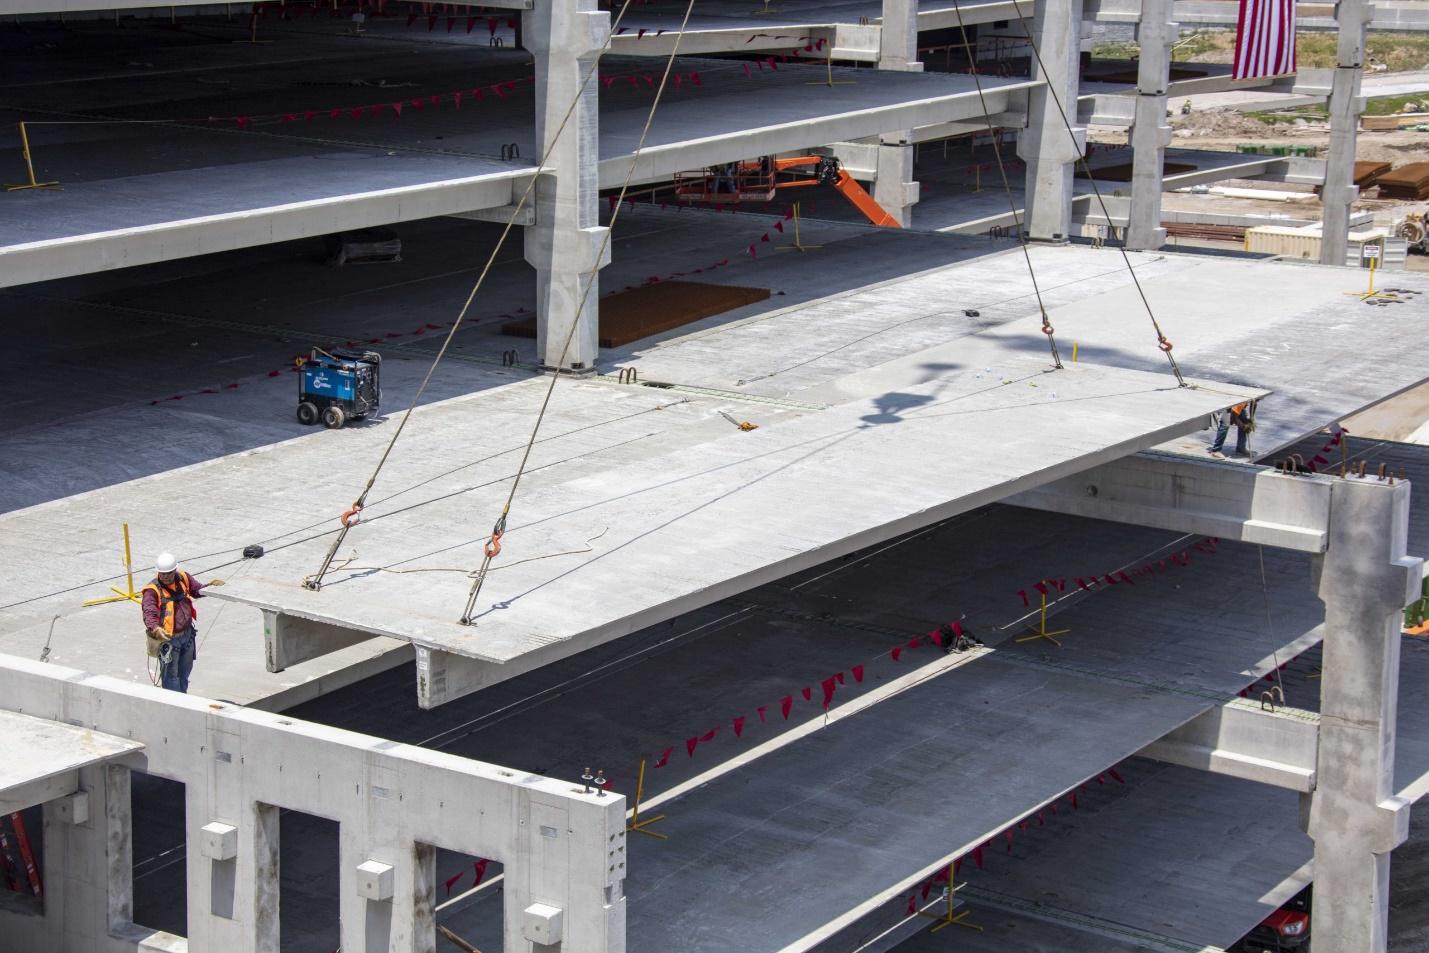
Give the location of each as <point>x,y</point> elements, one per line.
<point>664,757</point>
<point>857,673</point>
<point>739,726</point>
<point>785,704</point>
<point>480,868</point>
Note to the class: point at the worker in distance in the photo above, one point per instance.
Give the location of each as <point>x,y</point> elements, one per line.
<point>169,616</point>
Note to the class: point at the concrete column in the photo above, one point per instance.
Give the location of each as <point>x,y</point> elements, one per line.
<point>564,890</point>
<point>1365,580</point>
<point>564,243</point>
<point>1346,105</point>
<point>232,854</point>
<point>1150,132</point>
<point>87,867</point>
<point>388,889</point>
<point>1050,153</point>
<point>893,185</point>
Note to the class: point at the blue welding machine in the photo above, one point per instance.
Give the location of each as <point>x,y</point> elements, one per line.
<point>339,386</point>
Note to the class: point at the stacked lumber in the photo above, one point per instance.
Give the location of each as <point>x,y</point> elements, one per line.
<point>1406,182</point>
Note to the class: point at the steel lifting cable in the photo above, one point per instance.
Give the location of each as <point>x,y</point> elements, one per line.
<point>492,547</point>
<point>1270,626</point>
<point>1047,328</point>
<point>1161,340</point>
<point>353,514</point>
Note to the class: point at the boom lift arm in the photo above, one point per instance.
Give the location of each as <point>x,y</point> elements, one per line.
<point>757,181</point>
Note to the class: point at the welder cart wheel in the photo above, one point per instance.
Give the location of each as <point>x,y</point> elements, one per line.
<point>333,417</point>
<point>307,413</point>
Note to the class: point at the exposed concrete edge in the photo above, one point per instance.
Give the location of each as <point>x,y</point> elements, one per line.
<point>1083,922</point>
<point>331,681</point>
<point>90,252</point>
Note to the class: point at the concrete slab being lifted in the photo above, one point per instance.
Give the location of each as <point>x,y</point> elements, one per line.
<point>597,555</point>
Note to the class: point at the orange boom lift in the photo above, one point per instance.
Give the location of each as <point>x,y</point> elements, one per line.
<point>758,181</point>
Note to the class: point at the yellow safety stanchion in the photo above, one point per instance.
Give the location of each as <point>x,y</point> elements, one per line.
<point>636,823</point>
<point>29,167</point>
<point>121,595</point>
<point>1371,293</point>
<point>830,81</point>
<point>1041,632</point>
<point>948,918</point>
<point>798,245</point>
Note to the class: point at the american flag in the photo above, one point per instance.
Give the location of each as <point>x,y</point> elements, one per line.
<point>1265,39</point>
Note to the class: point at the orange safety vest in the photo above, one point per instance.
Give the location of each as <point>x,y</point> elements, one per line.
<point>170,598</point>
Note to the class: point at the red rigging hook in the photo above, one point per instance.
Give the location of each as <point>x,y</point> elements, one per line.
<point>1164,344</point>
<point>493,545</point>
<point>351,517</point>
<point>1047,328</point>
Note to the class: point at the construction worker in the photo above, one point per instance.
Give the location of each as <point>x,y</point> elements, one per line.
<point>169,620</point>
<point>1243,416</point>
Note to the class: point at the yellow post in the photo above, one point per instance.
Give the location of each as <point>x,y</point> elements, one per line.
<point>1041,631</point>
<point>29,166</point>
<point>798,243</point>
<point>1074,352</point>
<point>829,65</point>
<point>121,595</point>
<point>977,178</point>
<point>636,824</point>
<point>948,918</point>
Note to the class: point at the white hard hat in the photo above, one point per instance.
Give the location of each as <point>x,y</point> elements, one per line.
<point>166,563</point>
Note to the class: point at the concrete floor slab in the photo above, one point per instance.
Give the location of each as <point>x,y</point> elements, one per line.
<point>696,527</point>
<point>157,179</point>
<point>36,752</point>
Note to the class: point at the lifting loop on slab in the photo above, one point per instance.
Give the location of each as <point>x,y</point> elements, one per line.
<point>352,516</point>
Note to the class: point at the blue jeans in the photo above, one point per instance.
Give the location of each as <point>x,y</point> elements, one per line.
<point>176,660</point>
<point>1223,430</point>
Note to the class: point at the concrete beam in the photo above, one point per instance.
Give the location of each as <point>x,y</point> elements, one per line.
<point>247,228</point>
<point>1242,740</point>
<point>1398,15</point>
<point>395,804</point>
<point>290,639</point>
<point>26,7</point>
<point>1210,498</point>
<point>526,215</point>
<point>656,162</point>
<point>31,793</point>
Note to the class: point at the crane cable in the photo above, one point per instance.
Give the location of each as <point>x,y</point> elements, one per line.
<point>1161,340</point>
<point>1047,328</point>
<point>492,547</point>
<point>353,514</point>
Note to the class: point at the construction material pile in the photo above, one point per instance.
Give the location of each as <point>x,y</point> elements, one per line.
<point>1367,175</point>
<point>1406,182</point>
